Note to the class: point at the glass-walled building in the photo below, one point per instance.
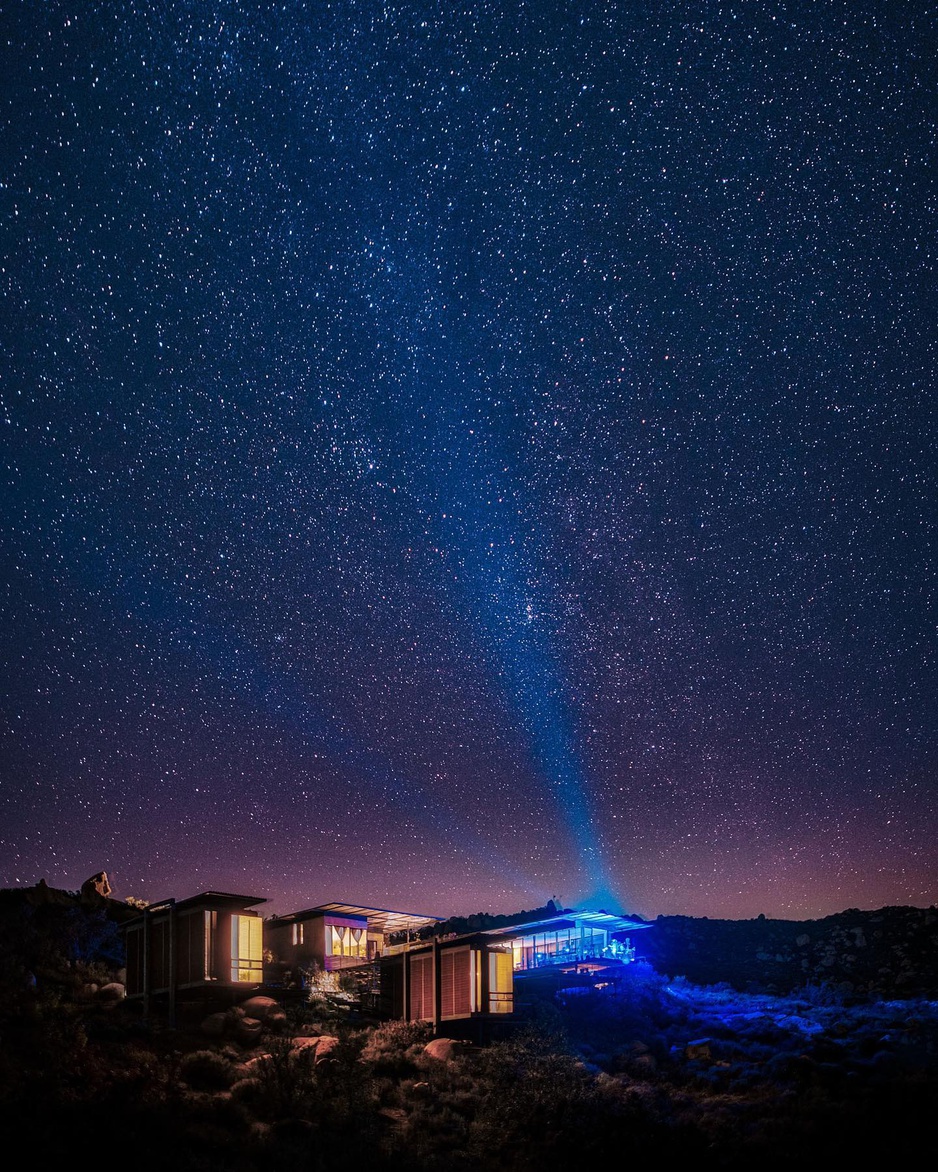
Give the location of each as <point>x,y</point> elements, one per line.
<point>568,939</point>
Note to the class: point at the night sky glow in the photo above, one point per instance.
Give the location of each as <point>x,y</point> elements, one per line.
<point>457,456</point>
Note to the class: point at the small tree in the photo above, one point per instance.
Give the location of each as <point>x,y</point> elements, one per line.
<point>327,994</point>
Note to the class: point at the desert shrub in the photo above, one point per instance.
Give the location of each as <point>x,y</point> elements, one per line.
<point>282,1082</point>
<point>341,1107</point>
<point>552,1022</point>
<point>436,1134</point>
<point>213,1128</point>
<point>289,1083</point>
<point>820,994</point>
<point>331,997</point>
<point>642,1007</point>
<point>539,1109</point>
<point>394,1049</point>
<point>527,1093</point>
<point>206,1070</point>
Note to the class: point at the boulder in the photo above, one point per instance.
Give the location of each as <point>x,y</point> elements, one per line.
<point>304,1042</point>
<point>445,1049</point>
<point>96,886</point>
<point>249,1030</point>
<point>325,1048</point>
<point>261,1008</point>
<point>214,1024</point>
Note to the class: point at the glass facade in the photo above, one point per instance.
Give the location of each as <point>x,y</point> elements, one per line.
<point>501,982</point>
<point>345,941</point>
<point>558,946</point>
<point>247,948</point>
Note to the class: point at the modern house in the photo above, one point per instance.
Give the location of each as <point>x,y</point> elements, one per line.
<point>458,984</point>
<point>213,941</point>
<point>335,936</point>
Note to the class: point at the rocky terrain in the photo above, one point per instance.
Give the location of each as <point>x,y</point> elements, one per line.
<point>889,953</point>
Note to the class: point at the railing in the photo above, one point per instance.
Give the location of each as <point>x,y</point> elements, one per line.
<point>572,954</point>
<point>396,949</point>
<point>332,963</point>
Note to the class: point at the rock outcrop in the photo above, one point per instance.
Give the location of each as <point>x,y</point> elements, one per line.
<point>889,953</point>
<point>98,885</point>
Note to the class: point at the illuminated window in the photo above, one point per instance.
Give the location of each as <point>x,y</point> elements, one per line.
<point>211,927</point>
<point>298,933</point>
<point>559,946</point>
<point>344,941</point>
<point>247,959</point>
<point>501,982</point>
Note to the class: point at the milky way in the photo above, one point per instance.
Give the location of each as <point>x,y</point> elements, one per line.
<point>461,456</point>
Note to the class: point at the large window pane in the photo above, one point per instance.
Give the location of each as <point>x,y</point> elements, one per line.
<point>247,948</point>
<point>501,983</point>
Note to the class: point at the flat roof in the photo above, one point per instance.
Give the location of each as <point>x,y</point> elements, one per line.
<point>212,898</point>
<point>379,918</point>
<point>568,919</point>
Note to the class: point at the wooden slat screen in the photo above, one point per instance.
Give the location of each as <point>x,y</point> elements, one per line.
<point>421,988</point>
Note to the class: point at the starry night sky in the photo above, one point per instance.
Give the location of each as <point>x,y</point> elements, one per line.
<point>457,456</point>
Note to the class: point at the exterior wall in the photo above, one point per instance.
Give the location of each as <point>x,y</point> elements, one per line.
<point>279,939</point>
<point>316,941</point>
<point>304,953</point>
<point>161,953</point>
<point>194,941</point>
<point>133,946</point>
<point>447,982</point>
<point>157,965</point>
<point>392,1003</point>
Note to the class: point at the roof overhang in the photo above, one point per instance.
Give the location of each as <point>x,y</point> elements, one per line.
<point>224,900</point>
<point>569,919</point>
<point>379,919</point>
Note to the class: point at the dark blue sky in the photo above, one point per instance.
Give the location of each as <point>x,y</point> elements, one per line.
<point>458,456</point>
